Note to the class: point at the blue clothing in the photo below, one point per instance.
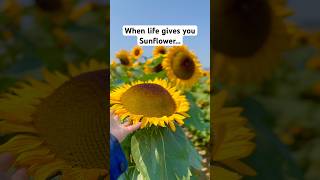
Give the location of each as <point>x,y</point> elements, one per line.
<point>118,161</point>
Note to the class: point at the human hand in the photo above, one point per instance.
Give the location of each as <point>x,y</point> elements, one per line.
<point>6,161</point>
<point>120,131</point>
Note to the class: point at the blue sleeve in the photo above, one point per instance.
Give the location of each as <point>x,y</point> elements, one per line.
<point>118,161</point>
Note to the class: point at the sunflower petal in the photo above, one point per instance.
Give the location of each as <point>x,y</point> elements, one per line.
<point>44,171</point>
<point>7,127</point>
<point>20,143</point>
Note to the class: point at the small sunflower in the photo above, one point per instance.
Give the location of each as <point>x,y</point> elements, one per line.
<point>153,103</point>
<point>205,73</point>
<point>113,64</point>
<point>148,69</point>
<point>159,50</point>
<point>298,36</point>
<point>59,124</point>
<point>182,66</point>
<point>125,58</point>
<point>249,38</point>
<point>231,142</point>
<point>136,52</point>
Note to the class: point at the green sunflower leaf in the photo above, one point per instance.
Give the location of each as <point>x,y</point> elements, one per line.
<point>162,154</point>
<point>156,61</point>
<point>196,115</point>
<point>271,160</point>
<point>131,174</point>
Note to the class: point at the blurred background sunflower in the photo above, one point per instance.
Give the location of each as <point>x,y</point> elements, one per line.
<point>232,141</point>
<point>268,62</point>
<point>182,66</point>
<point>249,38</point>
<point>34,111</point>
<point>61,37</point>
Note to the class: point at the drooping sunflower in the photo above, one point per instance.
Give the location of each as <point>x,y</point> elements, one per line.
<point>231,141</point>
<point>249,38</point>
<point>159,50</point>
<point>136,52</point>
<point>154,102</point>
<point>125,58</point>
<point>182,66</point>
<point>59,124</point>
<point>148,69</point>
<point>298,36</point>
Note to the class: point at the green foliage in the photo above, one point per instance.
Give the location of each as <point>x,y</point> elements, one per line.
<point>160,153</point>
<point>196,119</point>
<point>272,160</point>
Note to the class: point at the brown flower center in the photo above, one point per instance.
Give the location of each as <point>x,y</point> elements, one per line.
<point>183,66</point>
<point>158,68</point>
<point>149,100</point>
<point>125,61</point>
<point>240,27</point>
<point>73,122</point>
<point>49,5</point>
<point>137,52</point>
<point>162,51</point>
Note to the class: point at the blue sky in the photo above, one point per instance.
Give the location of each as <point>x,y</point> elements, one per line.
<point>164,12</point>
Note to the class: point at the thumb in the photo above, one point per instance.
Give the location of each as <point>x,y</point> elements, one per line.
<point>133,127</point>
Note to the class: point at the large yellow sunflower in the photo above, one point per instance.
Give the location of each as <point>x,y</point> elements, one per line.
<point>182,66</point>
<point>125,58</point>
<point>59,124</point>
<point>249,38</point>
<point>231,141</point>
<point>136,52</point>
<point>154,102</point>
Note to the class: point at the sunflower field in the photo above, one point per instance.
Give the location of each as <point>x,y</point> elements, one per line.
<point>253,115</point>
<point>163,91</point>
